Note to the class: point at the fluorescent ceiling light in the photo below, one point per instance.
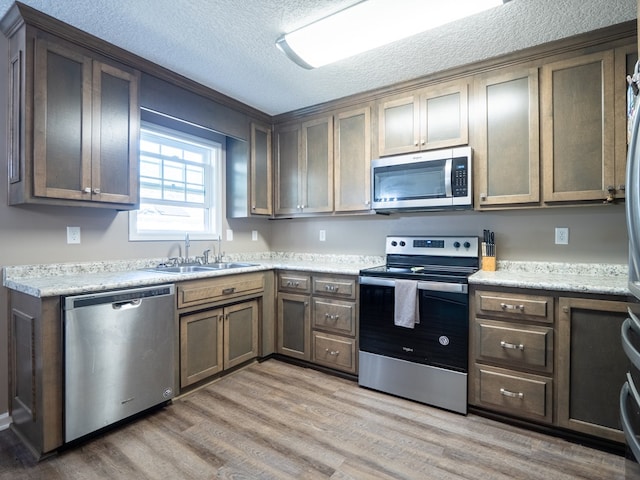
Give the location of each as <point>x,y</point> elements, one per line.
<point>370,24</point>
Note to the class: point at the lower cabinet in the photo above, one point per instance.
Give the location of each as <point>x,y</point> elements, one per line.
<point>317,319</point>
<point>214,340</point>
<point>548,358</point>
<point>219,324</point>
<point>591,366</point>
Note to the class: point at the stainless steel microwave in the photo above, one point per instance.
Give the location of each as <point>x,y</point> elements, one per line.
<point>434,180</point>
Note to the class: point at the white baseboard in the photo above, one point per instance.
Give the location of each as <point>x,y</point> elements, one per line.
<point>5,421</point>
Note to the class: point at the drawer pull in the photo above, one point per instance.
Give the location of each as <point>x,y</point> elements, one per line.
<point>332,352</point>
<point>506,306</point>
<point>331,317</point>
<point>291,283</point>
<point>511,346</point>
<point>331,288</point>
<point>228,291</point>
<point>507,393</point>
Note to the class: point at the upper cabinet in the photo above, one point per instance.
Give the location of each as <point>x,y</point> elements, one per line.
<point>74,125</point>
<point>304,167</point>
<point>260,176</point>
<point>507,171</point>
<point>434,117</point>
<point>578,146</point>
<point>554,132</point>
<point>352,156</point>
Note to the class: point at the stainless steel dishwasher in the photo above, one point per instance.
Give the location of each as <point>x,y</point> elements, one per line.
<point>119,356</point>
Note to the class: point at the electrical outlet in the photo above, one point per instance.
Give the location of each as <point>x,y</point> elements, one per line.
<point>323,235</point>
<point>562,235</point>
<point>254,235</point>
<point>73,234</point>
<point>229,235</point>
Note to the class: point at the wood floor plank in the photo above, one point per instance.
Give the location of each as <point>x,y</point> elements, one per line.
<point>279,421</point>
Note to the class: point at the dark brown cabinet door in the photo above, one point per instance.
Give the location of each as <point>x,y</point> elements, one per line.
<point>294,326</point>
<point>86,124</point>
<point>260,178</point>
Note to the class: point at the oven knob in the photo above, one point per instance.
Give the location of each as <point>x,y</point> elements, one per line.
<point>456,244</point>
<point>402,244</point>
<point>467,244</point>
<point>394,243</point>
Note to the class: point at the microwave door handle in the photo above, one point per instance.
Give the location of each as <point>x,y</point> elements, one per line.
<point>447,177</point>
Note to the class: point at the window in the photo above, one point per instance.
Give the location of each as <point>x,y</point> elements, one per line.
<point>180,186</point>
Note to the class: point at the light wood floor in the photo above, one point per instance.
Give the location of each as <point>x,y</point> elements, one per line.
<point>278,421</point>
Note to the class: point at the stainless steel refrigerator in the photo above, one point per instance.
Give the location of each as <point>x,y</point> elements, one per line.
<point>630,392</point>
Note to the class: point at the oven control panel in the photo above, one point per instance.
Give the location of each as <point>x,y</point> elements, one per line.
<point>438,246</point>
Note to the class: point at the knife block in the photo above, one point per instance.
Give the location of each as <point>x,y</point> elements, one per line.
<point>489,264</point>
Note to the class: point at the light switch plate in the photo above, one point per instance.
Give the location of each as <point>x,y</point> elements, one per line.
<point>254,235</point>
<point>323,235</point>
<point>229,235</point>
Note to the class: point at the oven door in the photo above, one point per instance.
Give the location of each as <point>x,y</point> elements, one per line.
<point>441,337</point>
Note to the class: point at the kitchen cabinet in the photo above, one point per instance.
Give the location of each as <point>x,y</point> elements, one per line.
<point>260,178</point>
<point>512,353</point>
<point>352,157</point>
<point>591,366</point>
<point>214,340</point>
<point>334,315</point>
<point>219,324</point>
<point>35,371</point>
<point>317,319</point>
<point>305,167</point>
<point>433,117</point>
<point>578,127</point>
<point>74,125</point>
<point>507,171</point>
<point>293,315</point>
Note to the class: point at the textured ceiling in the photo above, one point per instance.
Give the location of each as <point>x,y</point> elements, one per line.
<point>229,46</point>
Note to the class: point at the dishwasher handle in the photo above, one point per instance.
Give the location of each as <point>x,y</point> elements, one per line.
<point>127,305</point>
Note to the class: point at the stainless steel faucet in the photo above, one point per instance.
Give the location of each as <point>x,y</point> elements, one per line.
<point>187,244</point>
<point>220,254</point>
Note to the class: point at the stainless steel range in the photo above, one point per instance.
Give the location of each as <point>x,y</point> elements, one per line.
<point>414,320</point>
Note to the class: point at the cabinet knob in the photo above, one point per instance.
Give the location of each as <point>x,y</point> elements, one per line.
<point>415,143</point>
<point>483,196</point>
<point>96,191</point>
<point>565,309</point>
<point>87,190</point>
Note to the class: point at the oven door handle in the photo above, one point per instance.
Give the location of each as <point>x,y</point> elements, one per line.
<point>422,285</point>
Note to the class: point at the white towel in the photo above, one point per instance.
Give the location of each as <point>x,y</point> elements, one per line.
<point>406,303</point>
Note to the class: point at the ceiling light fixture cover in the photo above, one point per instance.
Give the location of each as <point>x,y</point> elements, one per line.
<point>370,24</point>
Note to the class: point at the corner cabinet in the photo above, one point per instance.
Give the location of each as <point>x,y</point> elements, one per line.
<point>434,117</point>
<point>74,125</point>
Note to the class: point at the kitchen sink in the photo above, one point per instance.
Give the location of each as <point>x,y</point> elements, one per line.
<point>199,268</point>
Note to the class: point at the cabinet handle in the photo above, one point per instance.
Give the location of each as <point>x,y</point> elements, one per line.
<point>334,353</point>
<point>507,393</point>
<point>331,288</point>
<point>96,191</point>
<point>86,190</point>
<point>511,346</point>
<point>291,283</point>
<point>506,306</point>
<point>228,291</point>
<point>331,317</point>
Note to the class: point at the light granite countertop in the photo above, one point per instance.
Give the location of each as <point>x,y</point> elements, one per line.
<point>73,278</point>
<point>607,279</point>
<point>50,280</point>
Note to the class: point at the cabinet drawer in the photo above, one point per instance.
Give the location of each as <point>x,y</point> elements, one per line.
<point>533,307</point>
<point>217,289</point>
<point>515,393</point>
<point>294,282</point>
<point>334,351</point>
<point>528,346</point>
<point>336,287</point>
<point>334,315</point>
